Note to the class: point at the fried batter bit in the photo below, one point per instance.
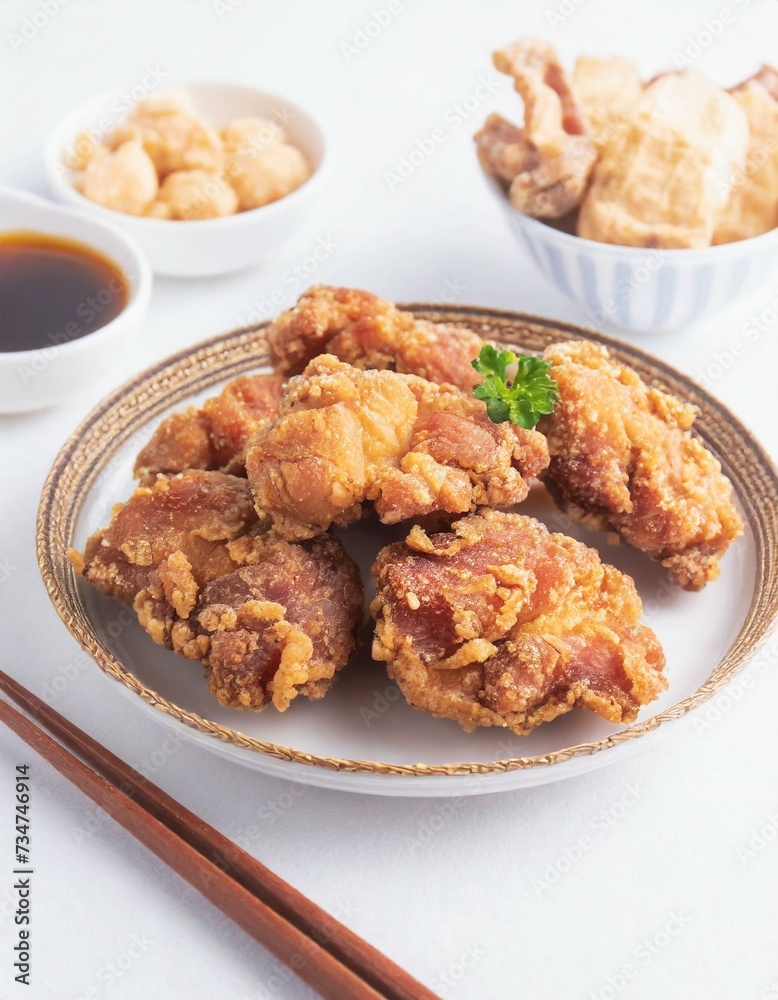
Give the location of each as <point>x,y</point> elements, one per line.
<point>498,622</point>
<point>408,446</point>
<point>546,162</point>
<point>622,459</point>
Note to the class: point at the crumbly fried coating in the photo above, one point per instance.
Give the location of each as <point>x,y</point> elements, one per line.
<point>498,622</point>
<point>280,626</point>
<point>661,182</point>
<point>263,175</point>
<point>367,331</point>
<point>408,446</point>
<point>622,458</point>
<point>216,435</point>
<point>548,160</point>
<point>124,180</point>
<point>173,139</point>
<point>753,203</point>
<point>195,513</point>
<point>197,194</point>
<point>608,89</point>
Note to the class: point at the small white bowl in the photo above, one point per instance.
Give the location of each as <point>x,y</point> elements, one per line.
<point>210,246</point>
<point>31,380</point>
<point>642,290</point>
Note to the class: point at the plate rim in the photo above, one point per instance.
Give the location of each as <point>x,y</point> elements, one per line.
<point>244,347</point>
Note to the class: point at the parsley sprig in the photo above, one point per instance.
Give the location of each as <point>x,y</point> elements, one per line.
<point>522,398</point>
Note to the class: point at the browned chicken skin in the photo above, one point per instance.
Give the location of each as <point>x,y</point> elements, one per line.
<point>196,513</point>
<point>214,436</point>
<point>408,446</point>
<point>622,458</point>
<point>279,626</point>
<point>270,620</point>
<point>367,331</point>
<point>546,162</point>
<point>590,432</point>
<point>497,622</point>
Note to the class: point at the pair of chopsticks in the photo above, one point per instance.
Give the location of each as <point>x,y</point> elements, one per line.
<point>324,953</point>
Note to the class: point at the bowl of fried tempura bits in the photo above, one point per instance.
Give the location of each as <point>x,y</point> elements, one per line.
<point>651,203</point>
<point>208,177</point>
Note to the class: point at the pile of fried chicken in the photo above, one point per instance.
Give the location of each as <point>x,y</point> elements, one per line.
<point>675,162</point>
<point>482,615</point>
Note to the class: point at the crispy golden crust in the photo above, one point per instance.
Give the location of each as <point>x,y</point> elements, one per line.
<point>665,176</point>
<point>752,208</point>
<point>279,626</point>
<point>497,622</point>
<point>608,90</point>
<point>622,458</point>
<point>546,162</point>
<point>367,331</point>
<point>196,513</point>
<point>408,446</point>
<point>214,436</point>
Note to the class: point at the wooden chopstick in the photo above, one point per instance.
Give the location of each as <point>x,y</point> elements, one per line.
<point>322,951</point>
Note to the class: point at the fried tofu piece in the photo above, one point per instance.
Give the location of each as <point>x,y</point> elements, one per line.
<point>408,446</point>
<point>608,90</point>
<point>280,626</point>
<point>498,622</point>
<point>196,513</point>
<point>663,180</point>
<point>214,436</point>
<point>623,459</point>
<point>752,208</point>
<point>546,162</point>
<point>367,331</point>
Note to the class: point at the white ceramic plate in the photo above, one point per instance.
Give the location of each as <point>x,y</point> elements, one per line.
<point>363,719</point>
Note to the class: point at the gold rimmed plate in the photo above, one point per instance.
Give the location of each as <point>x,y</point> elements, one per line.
<point>363,737</point>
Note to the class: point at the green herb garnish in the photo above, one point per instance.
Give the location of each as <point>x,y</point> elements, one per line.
<point>522,398</point>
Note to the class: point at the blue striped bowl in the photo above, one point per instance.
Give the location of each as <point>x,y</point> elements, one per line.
<point>639,289</point>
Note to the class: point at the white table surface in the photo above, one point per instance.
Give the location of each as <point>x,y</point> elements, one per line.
<point>665,862</point>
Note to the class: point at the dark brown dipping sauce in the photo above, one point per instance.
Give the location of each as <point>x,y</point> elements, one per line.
<point>53,290</point>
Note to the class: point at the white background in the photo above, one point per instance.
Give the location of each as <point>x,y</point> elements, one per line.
<point>666,862</point>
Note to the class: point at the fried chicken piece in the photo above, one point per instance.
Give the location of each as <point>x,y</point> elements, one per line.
<point>215,436</point>
<point>753,203</point>
<point>622,458</point>
<point>409,446</point>
<point>196,514</point>
<point>608,90</point>
<point>767,77</point>
<point>498,622</point>
<point>661,182</point>
<point>279,626</point>
<point>547,162</point>
<point>369,332</point>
